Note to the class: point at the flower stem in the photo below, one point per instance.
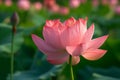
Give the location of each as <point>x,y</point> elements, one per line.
<point>71,69</point>
<point>12,57</point>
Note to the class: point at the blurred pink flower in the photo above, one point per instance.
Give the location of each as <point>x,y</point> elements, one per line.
<point>69,38</point>
<point>74,3</point>
<point>24,4</point>
<point>95,2</point>
<point>49,3</point>
<point>83,1</point>
<point>113,3</point>
<point>105,2</point>
<point>117,9</point>
<point>64,10</point>
<point>8,2</point>
<point>55,8</point>
<point>0,1</point>
<point>37,5</point>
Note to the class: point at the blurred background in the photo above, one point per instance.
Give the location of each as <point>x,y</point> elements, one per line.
<point>31,64</point>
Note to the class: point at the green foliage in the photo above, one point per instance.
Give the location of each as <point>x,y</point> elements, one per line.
<point>40,69</point>
<point>90,73</point>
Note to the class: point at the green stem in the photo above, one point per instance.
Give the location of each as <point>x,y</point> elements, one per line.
<point>71,69</point>
<point>12,57</point>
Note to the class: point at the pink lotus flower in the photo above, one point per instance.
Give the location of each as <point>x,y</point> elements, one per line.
<point>54,8</point>
<point>37,5</point>
<point>24,4</point>
<point>113,2</point>
<point>95,2</point>
<point>49,3</point>
<point>0,1</point>
<point>64,10</point>
<point>105,2</point>
<point>69,38</point>
<point>8,2</point>
<point>74,3</point>
<point>117,9</point>
<point>83,1</point>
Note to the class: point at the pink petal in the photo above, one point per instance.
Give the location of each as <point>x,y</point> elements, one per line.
<point>58,54</point>
<point>96,43</point>
<point>75,60</point>
<point>83,21</point>
<point>82,25</point>
<point>57,61</point>
<point>61,27</point>
<point>49,23</point>
<point>52,37</point>
<point>88,34</point>
<point>52,23</point>
<point>74,50</point>
<point>72,35</point>
<point>70,22</point>
<point>94,54</point>
<point>57,58</point>
<point>42,46</point>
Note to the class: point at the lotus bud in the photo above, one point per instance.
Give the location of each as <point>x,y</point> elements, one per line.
<point>14,21</point>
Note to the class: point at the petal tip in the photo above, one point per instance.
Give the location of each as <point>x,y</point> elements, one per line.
<point>105,36</point>
<point>86,18</point>
<point>33,35</point>
<point>72,17</point>
<point>92,26</point>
